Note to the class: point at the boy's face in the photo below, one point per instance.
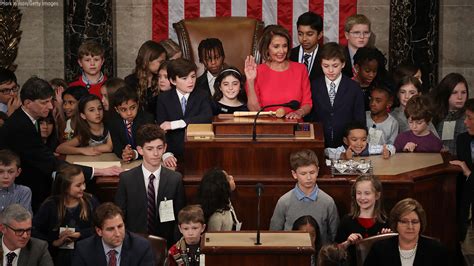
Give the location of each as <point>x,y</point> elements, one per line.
<point>306,176</point>
<point>69,105</point>
<point>185,84</point>
<point>367,71</point>
<point>405,93</point>
<point>358,36</point>
<point>213,61</point>
<point>152,152</point>
<point>308,37</point>
<point>91,64</point>
<point>8,90</point>
<point>356,140</point>
<point>154,65</point>
<point>8,173</point>
<point>469,122</point>
<point>379,101</point>
<point>128,110</point>
<point>418,127</point>
<point>192,232</point>
<point>332,68</point>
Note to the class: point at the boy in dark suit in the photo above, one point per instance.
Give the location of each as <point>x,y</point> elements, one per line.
<point>112,244</point>
<point>310,31</point>
<point>357,33</point>
<point>182,105</point>
<point>211,55</point>
<point>150,195</point>
<point>337,100</point>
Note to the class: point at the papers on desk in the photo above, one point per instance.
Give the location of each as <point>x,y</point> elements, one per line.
<point>99,164</point>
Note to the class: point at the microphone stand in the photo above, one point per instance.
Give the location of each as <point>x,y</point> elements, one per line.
<point>254,128</point>
<point>259,192</point>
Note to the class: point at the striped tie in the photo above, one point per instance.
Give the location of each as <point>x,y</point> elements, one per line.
<point>183,104</point>
<point>129,128</point>
<point>305,60</point>
<point>332,92</point>
<point>151,206</point>
<point>112,257</point>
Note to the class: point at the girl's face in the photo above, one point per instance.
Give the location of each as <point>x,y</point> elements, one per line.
<point>278,49</point>
<point>69,105</point>
<point>154,65</point>
<point>231,181</point>
<point>406,92</point>
<point>93,112</point>
<point>458,97</point>
<point>366,195</point>
<point>230,87</point>
<point>46,129</point>
<point>78,185</point>
<point>163,81</point>
<point>105,98</point>
<point>310,229</point>
<point>368,71</point>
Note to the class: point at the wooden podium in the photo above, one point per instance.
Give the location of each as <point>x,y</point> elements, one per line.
<point>238,248</point>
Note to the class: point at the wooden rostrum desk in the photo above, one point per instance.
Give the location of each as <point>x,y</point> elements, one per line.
<point>429,178</point>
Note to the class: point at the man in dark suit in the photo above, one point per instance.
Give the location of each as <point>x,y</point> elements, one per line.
<point>112,245</point>
<point>21,135</point>
<point>211,55</point>
<point>151,195</point>
<point>310,31</point>
<point>346,104</point>
<point>182,105</point>
<point>20,247</point>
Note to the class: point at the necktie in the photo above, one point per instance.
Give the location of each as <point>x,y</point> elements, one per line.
<point>306,57</point>
<point>10,257</point>
<point>37,126</point>
<point>183,104</point>
<point>129,128</point>
<point>332,92</point>
<point>151,206</point>
<point>112,257</point>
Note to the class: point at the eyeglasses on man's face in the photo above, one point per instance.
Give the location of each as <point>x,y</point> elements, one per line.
<point>9,91</point>
<point>360,34</point>
<point>19,231</point>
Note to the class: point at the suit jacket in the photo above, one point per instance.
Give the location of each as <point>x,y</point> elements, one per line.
<point>131,197</point>
<point>35,253</point>
<point>347,70</point>
<point>135,251</point>
<point>37,160</point>
<point>316,70</point>
<point>203,84</point>
<point>118,130</point>
<point>168,108</point>
<point>348,106</point>
<point>428,252</point>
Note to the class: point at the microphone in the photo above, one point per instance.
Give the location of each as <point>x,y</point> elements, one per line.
<point>259,188</point>
<point>293,105</point>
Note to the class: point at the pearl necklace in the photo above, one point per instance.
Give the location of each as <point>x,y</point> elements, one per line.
<point>410,254</point>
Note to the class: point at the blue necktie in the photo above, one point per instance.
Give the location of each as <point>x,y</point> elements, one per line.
<point>183,104</point>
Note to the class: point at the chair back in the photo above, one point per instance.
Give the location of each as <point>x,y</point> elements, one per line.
<point>239,37</point>
<point>363,247</point>
<point>158,245</point>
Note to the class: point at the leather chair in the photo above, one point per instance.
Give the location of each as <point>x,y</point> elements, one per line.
<point>239,37</point>
<point>159,246</point>
<point>363,247</point>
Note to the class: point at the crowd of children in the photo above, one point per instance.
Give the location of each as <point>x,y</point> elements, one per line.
<point>362,108</point>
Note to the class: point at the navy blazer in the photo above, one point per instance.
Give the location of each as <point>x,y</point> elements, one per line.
<point>168,108</point>
<point>136,250</point>
<point>348,106</point>
<point>38,162</point>
<point>119,134</point>
<point>131,197</point>
<point>428,252</point>
<point>347,70</point>
<point>203,84</point>
<point>316,70</point>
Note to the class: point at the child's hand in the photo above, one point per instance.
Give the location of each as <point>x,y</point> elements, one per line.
<point>465,170</point>
<point>385,231</point>
<point>64,238</point>
<point>171,162</point>
<point>348,154</point>
<point>353,238</point>
<point>59,95</point>
<point>89,151</point>
<point>250,68</point>
<point>127,153</point>
<point>385,152</point>
<point>410,146</point>
<point>166,125</point>
<point>13,104</point>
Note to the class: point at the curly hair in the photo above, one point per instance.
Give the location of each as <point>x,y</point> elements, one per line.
<point>214,192</point>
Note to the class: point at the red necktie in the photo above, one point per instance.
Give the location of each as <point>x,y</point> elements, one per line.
<point>129,128</point>
<point>112,257</point>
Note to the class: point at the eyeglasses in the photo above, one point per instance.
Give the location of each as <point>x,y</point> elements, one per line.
<point>9,91</point>
<point>20,232</point>
<point>359,34</point>
<point>408,222</point>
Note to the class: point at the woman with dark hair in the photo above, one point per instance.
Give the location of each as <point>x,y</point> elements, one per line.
<point>308,224</point>
<point>449,99</point>
<point>408,219</point>
<point>214,197</point>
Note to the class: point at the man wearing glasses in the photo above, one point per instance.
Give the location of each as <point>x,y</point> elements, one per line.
<point>18,247</point>
<point>357,32</point>
<point>9,100</point>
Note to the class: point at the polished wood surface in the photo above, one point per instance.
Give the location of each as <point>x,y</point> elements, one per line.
<point>238,248</point>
